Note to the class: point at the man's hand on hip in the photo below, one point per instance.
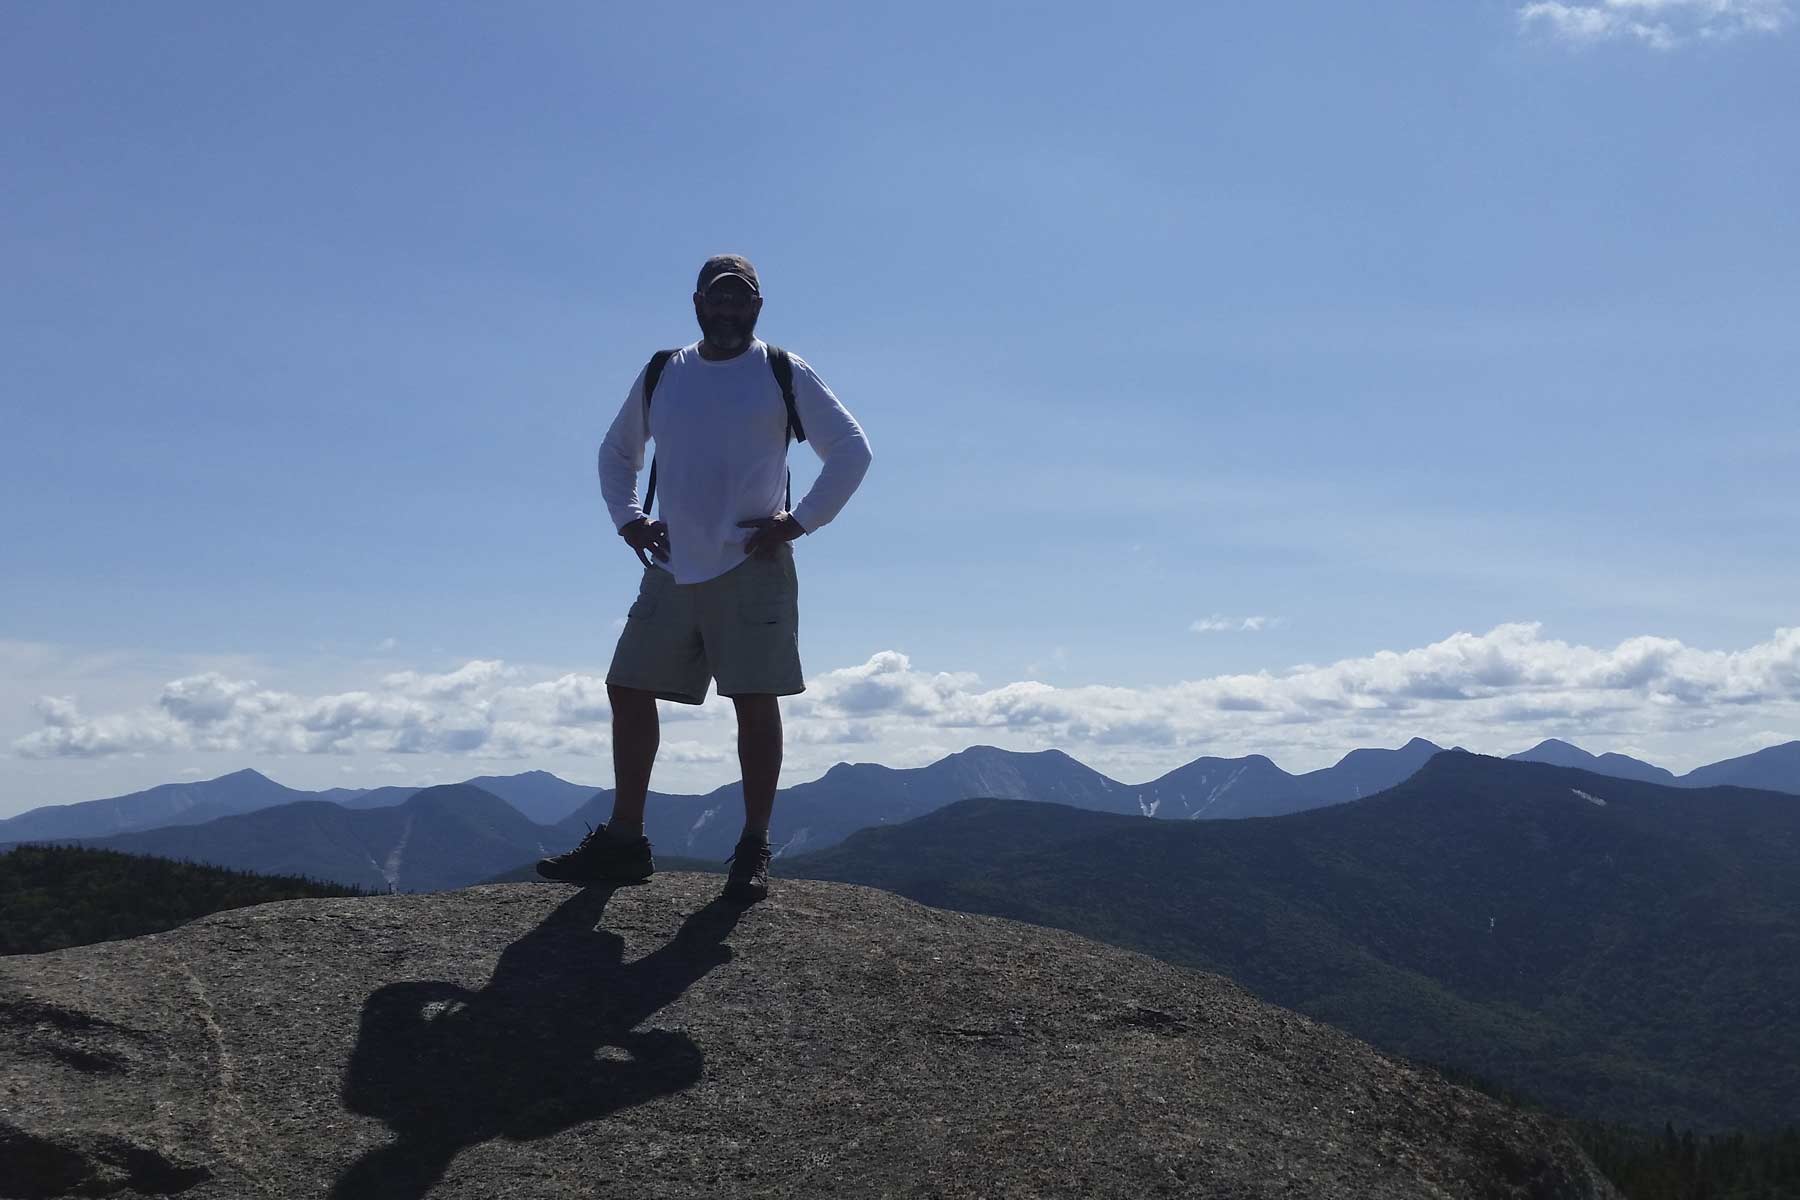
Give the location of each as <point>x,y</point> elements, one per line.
<point>770,533</point>
<point>644,535</point>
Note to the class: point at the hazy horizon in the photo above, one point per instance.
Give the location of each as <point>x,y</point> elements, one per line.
<point>192,775</point>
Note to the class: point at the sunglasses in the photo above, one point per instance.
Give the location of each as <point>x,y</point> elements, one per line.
<point>732,293</point>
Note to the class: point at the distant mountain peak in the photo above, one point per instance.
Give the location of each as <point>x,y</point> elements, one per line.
<point>1416,749</point>
<point>983,754</point>
<point>839,770</point>
<point>1558,753</point>
<point>447,791</point>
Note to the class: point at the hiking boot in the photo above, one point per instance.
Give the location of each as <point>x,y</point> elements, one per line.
<point>601,858</point>
<point>749,878</point>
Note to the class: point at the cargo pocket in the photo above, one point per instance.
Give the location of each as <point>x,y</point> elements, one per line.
<point>640,608</point>
<point>763,613</point>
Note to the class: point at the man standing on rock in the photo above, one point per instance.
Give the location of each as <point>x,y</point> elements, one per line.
<point>720,600</point>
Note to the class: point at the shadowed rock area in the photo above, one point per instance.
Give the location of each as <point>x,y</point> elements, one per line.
<point>542,1041</point>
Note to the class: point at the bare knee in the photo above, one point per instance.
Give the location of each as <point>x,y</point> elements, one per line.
<point>630,702</point>
<point>757,710</point>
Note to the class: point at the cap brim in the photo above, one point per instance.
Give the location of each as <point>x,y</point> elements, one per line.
<point>744,279</point>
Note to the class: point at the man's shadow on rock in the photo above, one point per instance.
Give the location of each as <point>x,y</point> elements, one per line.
<point>521,1058</point>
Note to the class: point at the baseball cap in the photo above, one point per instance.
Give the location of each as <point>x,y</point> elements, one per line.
<point>720,265</point>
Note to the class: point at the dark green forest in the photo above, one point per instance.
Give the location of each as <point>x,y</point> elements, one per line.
<point>54,897</point>
<point>1671,1166</point>
<point>1645,1165</point>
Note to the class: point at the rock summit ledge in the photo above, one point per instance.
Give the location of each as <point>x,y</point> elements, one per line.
<point>526,1040</point>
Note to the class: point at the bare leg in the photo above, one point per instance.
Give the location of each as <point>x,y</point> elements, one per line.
<point>635,736</point>
<point>759,755</point>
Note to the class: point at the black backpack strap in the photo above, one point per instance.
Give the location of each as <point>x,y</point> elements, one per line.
<point>652,372</point>
<point>782,364</point>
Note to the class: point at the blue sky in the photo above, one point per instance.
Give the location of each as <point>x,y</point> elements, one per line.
<point>1198,345</point>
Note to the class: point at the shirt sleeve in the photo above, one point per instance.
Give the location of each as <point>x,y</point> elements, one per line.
<point>622,457</point>
<point>839,442</point>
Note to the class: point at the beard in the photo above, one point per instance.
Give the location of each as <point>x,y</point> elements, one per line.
<point>730,334</point>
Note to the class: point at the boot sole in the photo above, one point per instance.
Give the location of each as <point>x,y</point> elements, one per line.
<point>634,881</point>
<point>597,877</point>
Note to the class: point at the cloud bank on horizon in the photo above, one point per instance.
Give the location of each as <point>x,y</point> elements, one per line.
<point>1658,24</point>
<point>1496,691</point>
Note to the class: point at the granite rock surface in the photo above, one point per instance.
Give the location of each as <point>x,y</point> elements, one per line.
<point>527,1040</point>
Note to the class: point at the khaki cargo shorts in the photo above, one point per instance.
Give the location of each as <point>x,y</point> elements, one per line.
<point>741,628</point>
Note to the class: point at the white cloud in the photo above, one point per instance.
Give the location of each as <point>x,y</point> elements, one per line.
<point>1658,24</point>
<point>1498,691</point>
<point>69,734</point>
<point>468,678</point>
<point>1218,624</point>
<point>888,685</point>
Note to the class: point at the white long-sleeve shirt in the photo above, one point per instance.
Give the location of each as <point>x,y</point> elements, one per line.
<point>721,452</point>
